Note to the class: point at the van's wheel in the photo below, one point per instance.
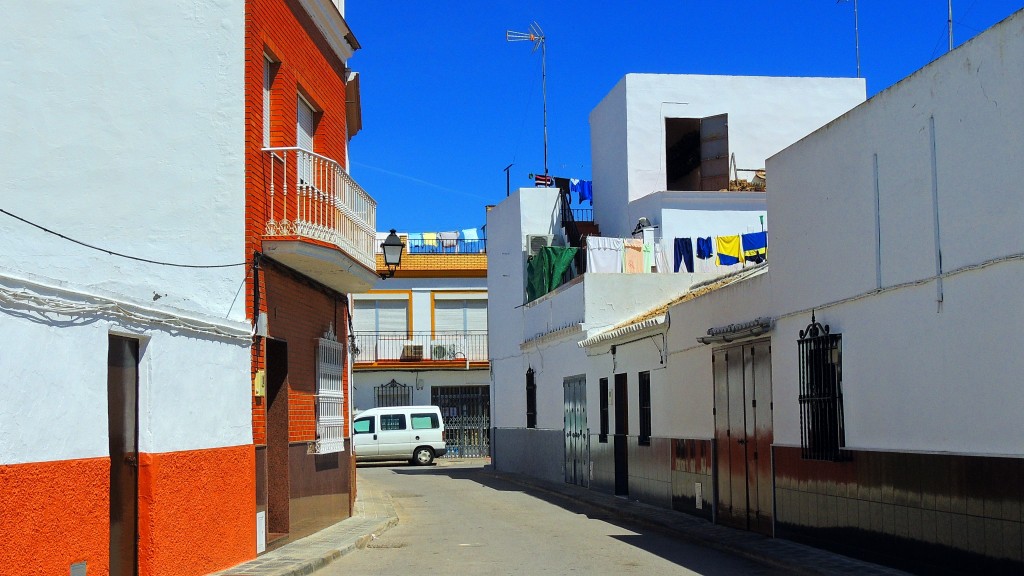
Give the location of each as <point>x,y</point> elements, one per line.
<point>423,456</point>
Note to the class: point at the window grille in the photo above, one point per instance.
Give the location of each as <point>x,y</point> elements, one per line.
<point>393,394</point>
<point>822,432</point>
<point>531,399</point>
<point>645,409</point>
<point>603,392</point>
<point>330,413</point>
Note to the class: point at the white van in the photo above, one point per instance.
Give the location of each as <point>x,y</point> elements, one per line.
<point>413,433</point>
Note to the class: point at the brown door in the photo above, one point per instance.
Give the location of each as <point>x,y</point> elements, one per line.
<point>278,485</point>
<point>621,441</point>
<point>123,426</point>
<point>757,376</point>
<point>743,436</point>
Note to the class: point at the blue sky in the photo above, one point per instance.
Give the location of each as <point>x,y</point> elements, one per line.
<point>448,103</point>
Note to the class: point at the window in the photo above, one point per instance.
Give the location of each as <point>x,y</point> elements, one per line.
<point>531,399</point>
<point>381,327</point>
<point>267,74</point>
<point>363,425</point>
<point>460,315</point>
<point>603,435</point>
<point>330,414</point>
<point>645,409</point>
<point>304,141</point>
<point>392,422</point>
<point>425,422</point>
<point>385,316</point>
<point>822,432</point>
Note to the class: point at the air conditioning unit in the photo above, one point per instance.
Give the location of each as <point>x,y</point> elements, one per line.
<point>534,242</point>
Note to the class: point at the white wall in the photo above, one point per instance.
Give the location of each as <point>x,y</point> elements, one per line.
<point>917,374</point>
<point>692,396</point>
<point>421,381</point>
<point>421,290</point>
<point>125,128</point>
<point>693,214</point>
<point>125,131</point>
<point>525,211</point>
<point>193,383</point>
<point>765,115</point>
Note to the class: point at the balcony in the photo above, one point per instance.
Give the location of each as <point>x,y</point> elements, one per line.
<point>424,349</point>
<point>440,257</point>
<point>319,221</point>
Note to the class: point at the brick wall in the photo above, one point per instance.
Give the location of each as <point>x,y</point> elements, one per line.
<point>303,64</point>
<point>299,313</point>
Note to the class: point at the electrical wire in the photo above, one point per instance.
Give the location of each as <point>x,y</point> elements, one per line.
<point>112,253</point>
<point>43,307</point>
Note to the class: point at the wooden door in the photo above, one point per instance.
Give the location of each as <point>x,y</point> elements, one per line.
<point>123,427</point>
<point>743,436</point>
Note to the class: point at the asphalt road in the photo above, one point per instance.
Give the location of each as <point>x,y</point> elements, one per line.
<point>454,518</point>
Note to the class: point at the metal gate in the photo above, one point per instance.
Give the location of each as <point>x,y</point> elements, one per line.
<point>392,394</point>
<point>577,436</point>
<point>467,419</point>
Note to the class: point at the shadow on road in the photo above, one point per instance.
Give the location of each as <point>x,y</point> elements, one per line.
<point>653,539</point>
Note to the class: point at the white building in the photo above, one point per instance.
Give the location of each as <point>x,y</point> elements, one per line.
<point>862,393</point>
<point>662,147</point>
<point>421,336</point>
<point>122,311</point>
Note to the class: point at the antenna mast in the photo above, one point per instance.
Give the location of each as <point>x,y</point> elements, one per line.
<point>536,36</point>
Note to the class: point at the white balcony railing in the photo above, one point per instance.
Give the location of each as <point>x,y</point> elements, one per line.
<point>458,346</point>
<point>313,197</point>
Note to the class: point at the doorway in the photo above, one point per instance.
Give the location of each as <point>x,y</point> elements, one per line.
<point>577,435</point>
<point>621,446</point>
<point>278,492</point>
<point>743,436</point>
<point>123,432</point>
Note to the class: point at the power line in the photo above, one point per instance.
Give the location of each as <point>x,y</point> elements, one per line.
<point>112,253</point>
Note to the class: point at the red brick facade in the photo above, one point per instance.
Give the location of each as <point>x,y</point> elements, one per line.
<point>298,311</point>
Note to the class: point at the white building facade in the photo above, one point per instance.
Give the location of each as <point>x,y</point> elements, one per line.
<point>656,157</point>
<point>421,337</point>
<point>861,393</point>
<point>122,317</point>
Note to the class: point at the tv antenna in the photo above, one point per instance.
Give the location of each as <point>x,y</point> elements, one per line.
<point>536,36</point>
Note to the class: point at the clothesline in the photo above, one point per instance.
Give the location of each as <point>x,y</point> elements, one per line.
<point>726,250</point>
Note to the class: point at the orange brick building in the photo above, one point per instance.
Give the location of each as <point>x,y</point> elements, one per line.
<point>310,232</point>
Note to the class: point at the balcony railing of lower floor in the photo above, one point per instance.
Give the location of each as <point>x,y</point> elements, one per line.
<point>423,347</point>
<point>312,196</point>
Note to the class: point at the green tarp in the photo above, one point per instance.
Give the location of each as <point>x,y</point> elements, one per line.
<point>545,270</point>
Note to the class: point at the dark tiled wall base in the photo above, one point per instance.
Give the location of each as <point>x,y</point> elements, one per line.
<point>692,464</point>
<point>650,471</point>
<point>927,513</point>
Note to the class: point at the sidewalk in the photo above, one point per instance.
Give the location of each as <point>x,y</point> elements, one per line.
<point>374,513</point>
<point>790,556</point>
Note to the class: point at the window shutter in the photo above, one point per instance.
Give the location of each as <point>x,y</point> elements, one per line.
<point>304,133</point>
<point>364,317</point>
<point>476,314</point>
<point>449,315</point>
<point>392,316</point>
<point>266,102</point>
<point>304,140</point>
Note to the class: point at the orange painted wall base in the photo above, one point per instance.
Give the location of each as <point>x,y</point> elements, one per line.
<point>197,513</point>
<point>54,514</point>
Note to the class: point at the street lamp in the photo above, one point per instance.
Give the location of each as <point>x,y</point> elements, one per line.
<point>392,248</point>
